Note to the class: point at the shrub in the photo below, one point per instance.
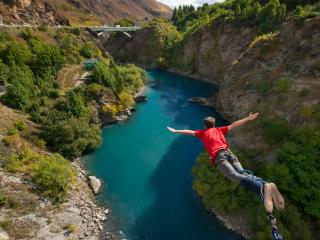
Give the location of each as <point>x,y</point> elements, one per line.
<point>90,50</point>
<point>71,228</point>
<point>16,53</point>
<point>74,104</point>
<point>265,86</point>
<point>70,136</point>
<point>283,85</point>
<point>3,200</point>
<point>12,140</point>
<point>12,131</point>
<point>21,93</point>
<point>20,125</point>
<point>126,100</point>
<point>40,143</point>
<point>263,39</point>
<point>276,130</point>
<point>53,174</point>
<point>304,92</point>
<point>132,77</point>
<point>70,47</point>
<point>47,61</point>
<point>4,72</point>
<point>110,108</point>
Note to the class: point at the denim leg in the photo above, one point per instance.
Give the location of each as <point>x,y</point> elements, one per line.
<point>233,160</point>
<point>228,171</point>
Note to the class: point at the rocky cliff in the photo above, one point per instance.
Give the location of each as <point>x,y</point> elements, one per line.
<point>78,11</point>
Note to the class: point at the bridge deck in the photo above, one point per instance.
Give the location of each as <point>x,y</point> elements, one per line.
<point>114,29</point>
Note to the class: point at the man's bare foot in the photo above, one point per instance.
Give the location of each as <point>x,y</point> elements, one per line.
<point>277,197</point>
<point>268,204</point>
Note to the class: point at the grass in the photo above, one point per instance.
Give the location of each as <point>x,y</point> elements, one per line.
<point>268,38</point>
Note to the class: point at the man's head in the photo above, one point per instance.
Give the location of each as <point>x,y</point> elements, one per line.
<point>209,122</point>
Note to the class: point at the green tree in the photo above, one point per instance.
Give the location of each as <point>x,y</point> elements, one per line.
<point>70,136</point>
<point>74,104</point>
<point>47,61</point>
<point>4,71</point>
<point>16,53</point>
<point>21,93</point>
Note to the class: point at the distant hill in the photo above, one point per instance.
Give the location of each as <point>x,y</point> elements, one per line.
<point>88,12</point>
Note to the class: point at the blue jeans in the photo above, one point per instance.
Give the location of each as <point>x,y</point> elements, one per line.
<point>229,165</point>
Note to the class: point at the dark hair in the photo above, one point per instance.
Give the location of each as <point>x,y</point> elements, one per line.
<point>209,122</point>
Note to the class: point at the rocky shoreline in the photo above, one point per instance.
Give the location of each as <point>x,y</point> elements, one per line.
<point>77,218</point>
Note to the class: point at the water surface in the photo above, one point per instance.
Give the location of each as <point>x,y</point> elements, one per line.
<point>147,170</point>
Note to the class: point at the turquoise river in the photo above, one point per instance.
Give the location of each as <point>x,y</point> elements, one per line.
<point>147,170</point>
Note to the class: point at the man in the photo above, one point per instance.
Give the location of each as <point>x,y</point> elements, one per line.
<point>227,163</point>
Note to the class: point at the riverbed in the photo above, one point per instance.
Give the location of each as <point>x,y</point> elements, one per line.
<point>147,170</point>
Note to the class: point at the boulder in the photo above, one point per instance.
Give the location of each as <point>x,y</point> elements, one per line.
<point>199,100</point>
<point>140,98</point>
<point>4,236</point>
<point>95,184</point>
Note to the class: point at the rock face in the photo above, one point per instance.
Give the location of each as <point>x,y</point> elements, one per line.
<point>78,11</point>
<point>292,54</point>
<point>95,184</point>
<point>31,12</point>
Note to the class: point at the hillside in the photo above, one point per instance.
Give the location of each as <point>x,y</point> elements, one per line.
<point>263,58</point>
<point>82,12</point>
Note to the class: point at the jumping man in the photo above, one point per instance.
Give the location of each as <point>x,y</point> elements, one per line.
<point>228,164</point>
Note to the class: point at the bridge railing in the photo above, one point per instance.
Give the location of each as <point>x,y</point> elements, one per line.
<point>114,29</point>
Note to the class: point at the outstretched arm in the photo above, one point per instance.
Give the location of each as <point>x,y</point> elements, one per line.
<point>185,131</point>
<point>238,123</point>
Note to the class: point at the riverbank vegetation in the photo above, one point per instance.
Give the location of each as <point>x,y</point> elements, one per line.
<point>65,121</point>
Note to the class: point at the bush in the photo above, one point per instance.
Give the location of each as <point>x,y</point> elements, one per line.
<point>4,72</point>
<point>20,125</point>
<point>21,93</point>
<point>70,136</point>
<point>110,108</point>
<point>74,104</point>
<point>3,200</point>
<point>70,47</point>
<point>263,39</point>
<point>40,143</point>
<point>126,100</point>
<point>11,140</point>
<point>89,50</point>
<point>71,228</point>
<point>12,131</point>
<point>276,130</point>
<point>53,174</point>
<point>265,86</point>
<point>133,77</point>
<point>16,53</point>
<point>47,61</point>
<point>283,85</point>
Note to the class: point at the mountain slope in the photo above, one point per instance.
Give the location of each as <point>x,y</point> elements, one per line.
<point>87,12</point>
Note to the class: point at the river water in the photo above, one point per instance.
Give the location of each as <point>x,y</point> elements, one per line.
<point>147,170</point>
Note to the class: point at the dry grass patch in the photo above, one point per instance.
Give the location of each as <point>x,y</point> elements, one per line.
<point>68,76</point>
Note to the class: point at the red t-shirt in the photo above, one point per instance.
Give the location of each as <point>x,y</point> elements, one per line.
<point>213,140</point>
